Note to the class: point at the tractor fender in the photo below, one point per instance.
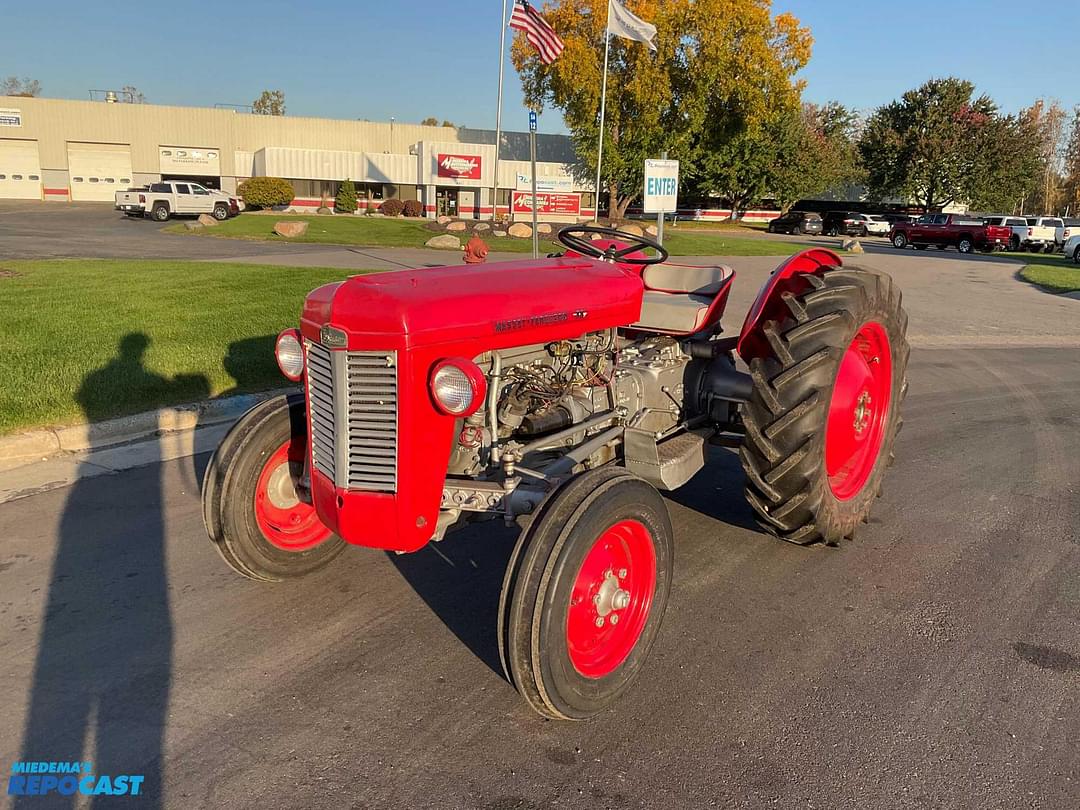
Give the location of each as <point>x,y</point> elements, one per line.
<point>769,304</point>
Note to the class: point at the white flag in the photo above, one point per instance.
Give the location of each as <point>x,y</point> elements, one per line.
<point>629,26</point>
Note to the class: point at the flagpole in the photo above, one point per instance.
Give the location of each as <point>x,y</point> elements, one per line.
<point>498,115</point>
<point>603,100</point>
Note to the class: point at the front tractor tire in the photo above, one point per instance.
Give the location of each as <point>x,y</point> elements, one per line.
<point>254,506</point>
<point>585,592</point>
<point>825,409</point>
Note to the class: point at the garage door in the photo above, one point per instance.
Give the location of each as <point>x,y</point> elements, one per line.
<point>20,170</point>
<point>98,170</point>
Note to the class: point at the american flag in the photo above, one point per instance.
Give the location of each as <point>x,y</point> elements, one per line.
<point>540,35</point>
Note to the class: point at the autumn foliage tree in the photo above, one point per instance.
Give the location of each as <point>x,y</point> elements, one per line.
<point>269,102</point>
<point>722,68</point>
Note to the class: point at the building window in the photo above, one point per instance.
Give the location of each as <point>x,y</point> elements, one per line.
<point>16,177</point>
<point>110,179</point>
<point>3,177</point>
<point>125,180</point>
<point>502,198</point>
<point>76,179</point>
<point>586,199</point>
<point>166,152</point>
<point>34,177</point>
<point>94,180</point>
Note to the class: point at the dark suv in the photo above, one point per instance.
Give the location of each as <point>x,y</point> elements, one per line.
<point>796,222</point>
<point>843,223</point>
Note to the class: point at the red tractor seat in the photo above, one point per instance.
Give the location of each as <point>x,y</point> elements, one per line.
<point>679,299</point>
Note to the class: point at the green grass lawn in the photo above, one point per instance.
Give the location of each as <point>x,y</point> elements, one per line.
<point>379,232</point>
<point>1055,274</point>
<point>348,230</point>
<point>90,339</point>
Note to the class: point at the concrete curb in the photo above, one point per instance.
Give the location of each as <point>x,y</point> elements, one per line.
<point>21,449</point>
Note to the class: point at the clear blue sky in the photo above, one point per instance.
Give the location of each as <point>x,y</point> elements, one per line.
<point>374,59</point>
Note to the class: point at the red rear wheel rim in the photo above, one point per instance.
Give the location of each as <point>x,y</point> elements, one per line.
<point>858,411</point>
<point>286,521</point>
<point>611,599</point>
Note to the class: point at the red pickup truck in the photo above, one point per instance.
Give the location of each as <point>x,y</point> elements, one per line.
<point>965,232</point>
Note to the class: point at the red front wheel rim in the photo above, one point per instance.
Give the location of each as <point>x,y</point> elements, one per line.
<point>858,411</point>
<point>611,599</point>
<point>286,520</point>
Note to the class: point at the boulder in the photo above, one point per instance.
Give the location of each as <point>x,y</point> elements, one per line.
<point>207,220</point>
<point>322,209</point>
<point>631,229</point>
<point>193,226</point>
<point>457,226</point>
<point>444,220</point>
<point>444,242</point>
<point>290,229</point>
<point>520,230</point>
<point>480,227</point>
<point>543,228</point>
<point>651,231</point>
<point>596,236</point>
<point>498,234</point>
<point>852,246</point>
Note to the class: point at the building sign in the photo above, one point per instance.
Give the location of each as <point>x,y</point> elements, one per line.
<point>10,117</point>
<point>462,167</point>
<point>547,203</point>
<point>561,185</point>
<point>661,186</point>
<point>189,160</point>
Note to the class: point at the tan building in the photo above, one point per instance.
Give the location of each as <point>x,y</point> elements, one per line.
<point>63,150</point>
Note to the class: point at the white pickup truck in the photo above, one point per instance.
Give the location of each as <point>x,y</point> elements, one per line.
<point>1030,233</point>
<point>163,200</point>
<point>1042,233</point>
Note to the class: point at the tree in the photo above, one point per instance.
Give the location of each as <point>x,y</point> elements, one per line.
<point>345,202</point>
<point>430,121</point>
<point>1071,169</point>
<point>271,102</point>
<point>721,67</point>
<point>133,94</point>
<point>14,86</point>
<point>1047,122</point>
<point>450,124</point>
<point>939,145</point>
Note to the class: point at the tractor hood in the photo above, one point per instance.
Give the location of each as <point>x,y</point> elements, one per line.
<point>497,305</point>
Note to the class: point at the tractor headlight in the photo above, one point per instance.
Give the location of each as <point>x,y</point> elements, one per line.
<point>457,386</point>
<point>290,354</point>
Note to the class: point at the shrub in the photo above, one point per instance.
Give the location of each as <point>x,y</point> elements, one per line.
<point>413,208</point>
<point>266,192</point>
<point>345,202</point>
<point>392,208</point>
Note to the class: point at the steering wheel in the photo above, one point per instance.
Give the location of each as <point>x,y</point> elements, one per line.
<point>574,238</point>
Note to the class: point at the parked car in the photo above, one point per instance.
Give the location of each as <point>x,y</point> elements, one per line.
<point>162,200</point>
<point>1041,234</point>
<point>1017,226</point>
<point>876,224</point>
<point>796,222</point>
<point>1069,226</point>
<point>965,232</point>
<point>1071,248</point>
<point>893,218</point>
<point>843,223</point>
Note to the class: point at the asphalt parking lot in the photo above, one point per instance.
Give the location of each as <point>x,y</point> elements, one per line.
<point>934,662</point>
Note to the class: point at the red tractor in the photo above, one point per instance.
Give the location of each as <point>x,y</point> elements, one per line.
<point>564,394</point>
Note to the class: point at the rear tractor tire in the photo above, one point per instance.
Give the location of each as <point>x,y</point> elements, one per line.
<point>825,410</point>
<point>585,592</point>
<point>256,512</point>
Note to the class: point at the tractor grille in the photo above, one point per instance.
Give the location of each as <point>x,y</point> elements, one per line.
<point>353,401</point>
<point>321,398</point>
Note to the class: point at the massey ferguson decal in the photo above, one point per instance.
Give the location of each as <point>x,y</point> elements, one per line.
<point>464,167</point>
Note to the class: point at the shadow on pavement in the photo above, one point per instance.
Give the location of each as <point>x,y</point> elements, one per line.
<point>100,687</point>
